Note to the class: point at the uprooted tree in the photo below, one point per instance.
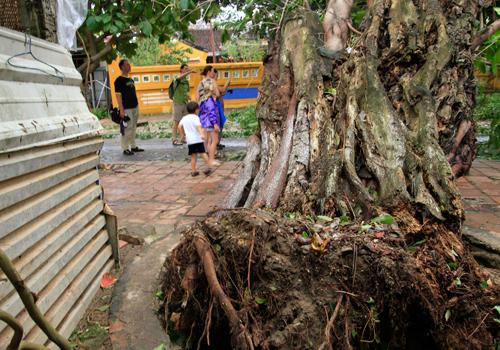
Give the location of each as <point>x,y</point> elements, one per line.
<point>343,229</point>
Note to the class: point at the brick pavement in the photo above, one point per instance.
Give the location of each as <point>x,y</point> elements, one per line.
<point>151,199</point>
<point>481,196</point>
<point>154,200</point>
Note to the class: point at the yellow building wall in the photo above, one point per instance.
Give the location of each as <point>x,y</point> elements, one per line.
<point>152,82</point>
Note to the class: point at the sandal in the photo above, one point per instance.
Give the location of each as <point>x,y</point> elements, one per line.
<point>177,143</point>
<point>195,173</point>
<point>207,171</point>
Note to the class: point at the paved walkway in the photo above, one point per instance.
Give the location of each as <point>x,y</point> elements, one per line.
<point>151,199</point>
<point>155,199</point>
<point>481,196</point>
<point>160,150</point>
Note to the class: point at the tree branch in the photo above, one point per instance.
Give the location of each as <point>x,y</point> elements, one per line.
<point>16,327</point>
<point>106,50</point>
<point>28,300</point>
<point>485,34</point>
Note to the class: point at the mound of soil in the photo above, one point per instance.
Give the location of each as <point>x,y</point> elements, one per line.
<point>269,282</point>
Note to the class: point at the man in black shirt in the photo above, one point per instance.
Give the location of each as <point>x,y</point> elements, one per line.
<point>128,106</point>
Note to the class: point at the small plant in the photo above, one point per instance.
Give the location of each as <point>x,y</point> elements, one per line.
<point>385,219</point>
<point>160,295</point>
<point>100,113</point>
<point>413,248</point>
<point>246,119</point>
<point>488,124</point>
<point>260,301</point>
<point>497,309</point>
<point>344,220</point>
<point>330,91</point>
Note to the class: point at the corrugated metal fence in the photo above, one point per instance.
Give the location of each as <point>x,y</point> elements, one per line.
<point>51,221</point>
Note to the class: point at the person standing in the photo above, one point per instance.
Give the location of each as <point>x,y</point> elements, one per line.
<point>180,99</point>
<point>210,73</point>
<point>128,106</point>
<point>190,126</point>
<point>209,118</point>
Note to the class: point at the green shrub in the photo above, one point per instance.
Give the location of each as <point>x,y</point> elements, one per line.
<point>491,149</point>
<point>246,119</point>
<point>100,113</point>
<point>487,111</point>
<point>487,106</point>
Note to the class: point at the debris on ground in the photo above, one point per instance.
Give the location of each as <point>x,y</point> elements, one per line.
<point>254,279</point>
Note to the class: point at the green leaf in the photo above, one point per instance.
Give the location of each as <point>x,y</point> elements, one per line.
<point>146,28</point>
<point>458,282</point>
<point>385,219</point>
<point>453,265</point>
<point>484,284</point>
<point>414,246</point>
<point>160,347</point>
<point>324,218</point>
<point>497,10</point>
<point>370,301</point>
<point>497,308</point>
<point>354,334</point>
<point>366,227</point>
<point>106,18</point>
<point>160,295</point>
<point>184,4</point>
<point>260,301</point>
<point>225,36</point>
<point>447,315</point>
<point>344,220</point>
<point>103,308</point>
<point>496,320</point>
<point>92,23</point>
<point>305,234</point>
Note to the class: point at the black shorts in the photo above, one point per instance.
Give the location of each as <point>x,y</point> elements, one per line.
<point>196,148</point>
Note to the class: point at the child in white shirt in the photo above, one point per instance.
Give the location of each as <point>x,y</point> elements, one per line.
<point>190,128</point>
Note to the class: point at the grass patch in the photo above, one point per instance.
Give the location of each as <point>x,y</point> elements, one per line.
<point>487,116</point>
<point>100,113</point>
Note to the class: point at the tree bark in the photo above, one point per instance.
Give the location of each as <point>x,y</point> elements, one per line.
<point>402,108</point>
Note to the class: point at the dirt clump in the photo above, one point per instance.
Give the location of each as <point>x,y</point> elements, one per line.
<point>298,282</point>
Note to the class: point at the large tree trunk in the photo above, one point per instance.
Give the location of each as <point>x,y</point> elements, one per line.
<point>371,134</point>
<point>407,89</point>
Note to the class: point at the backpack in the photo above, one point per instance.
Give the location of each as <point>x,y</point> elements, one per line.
<point>171,89</point>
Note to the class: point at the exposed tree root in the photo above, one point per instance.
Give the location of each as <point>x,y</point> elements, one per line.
<point>239,336</point>
<point>370,288</point>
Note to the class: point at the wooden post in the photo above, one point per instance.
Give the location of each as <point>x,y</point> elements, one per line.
<point>112,228</point>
